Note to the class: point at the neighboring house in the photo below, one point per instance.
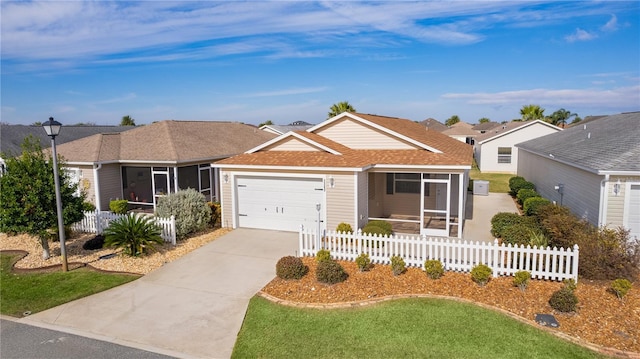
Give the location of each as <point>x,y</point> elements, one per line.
<point>433,124</point>
<point>462,132</point>
<point>12,136</point>
<point>279,130</point>
<point>595,167</point>
<point>485,126</point>
<point>148,162</point>
<point>350,168</point>
<point>495,150</point>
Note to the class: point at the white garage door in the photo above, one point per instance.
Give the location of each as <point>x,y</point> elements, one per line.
<point>279,203</point>
<point>633,214</point>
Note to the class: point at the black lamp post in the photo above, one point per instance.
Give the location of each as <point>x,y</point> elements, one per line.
<point>52,128</point>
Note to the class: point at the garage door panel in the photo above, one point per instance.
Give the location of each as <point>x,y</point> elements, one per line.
<point>278,203</point>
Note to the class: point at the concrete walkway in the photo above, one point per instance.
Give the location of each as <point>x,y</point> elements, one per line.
<point>480,210</point>
<point>190,308</point>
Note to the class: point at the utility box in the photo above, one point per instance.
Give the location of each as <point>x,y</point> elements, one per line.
<point>480,188</point>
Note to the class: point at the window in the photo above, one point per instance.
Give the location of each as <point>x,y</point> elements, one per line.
<point>504,154</point>
<point>403,183</point>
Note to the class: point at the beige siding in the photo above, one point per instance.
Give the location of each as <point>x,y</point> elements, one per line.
<point>110,184</point>
<point>581,188</point>
<point>616,203</point>
<point>368,138</point>
<point>292,144</point>
<point>87,184</point>
<point>226,200</point>
<point>489,160</point>
<point>363,198</point>
<point>341,201</point>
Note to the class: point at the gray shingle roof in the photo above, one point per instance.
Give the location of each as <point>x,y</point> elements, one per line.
<point>610,143</point>
<point>12,136</point>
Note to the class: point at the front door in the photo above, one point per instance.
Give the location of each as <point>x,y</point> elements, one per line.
<point>435,203</point>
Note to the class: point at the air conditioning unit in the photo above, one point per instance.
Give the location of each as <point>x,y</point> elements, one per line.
<point>480,187</point>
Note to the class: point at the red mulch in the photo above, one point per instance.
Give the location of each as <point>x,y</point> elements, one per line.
<point>601,318</point>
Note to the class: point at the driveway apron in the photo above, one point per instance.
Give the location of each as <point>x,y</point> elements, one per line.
<point>190,308</point>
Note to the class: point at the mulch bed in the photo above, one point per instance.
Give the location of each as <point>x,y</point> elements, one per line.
<point>601,318</point>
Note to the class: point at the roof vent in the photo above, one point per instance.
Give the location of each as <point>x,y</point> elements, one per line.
<point>584,127</point>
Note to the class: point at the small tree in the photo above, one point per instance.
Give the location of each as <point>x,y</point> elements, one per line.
<point>484,120</point>
<point>339,108</point>
<point>127,121</point>
<point>452,120</point>
<point>28,197</point>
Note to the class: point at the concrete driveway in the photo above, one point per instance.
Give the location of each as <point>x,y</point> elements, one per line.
<point>480,210</point>
<point>190,308</point>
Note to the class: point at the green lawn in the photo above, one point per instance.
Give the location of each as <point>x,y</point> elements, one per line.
<point>498,182</point>
<point>407,328</point>
<point>36,292</point>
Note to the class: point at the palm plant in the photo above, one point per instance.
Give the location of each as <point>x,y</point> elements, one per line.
<point>532,112</point>
<point>560,117</point>
<point>136,235</point>
<point>340,107</point>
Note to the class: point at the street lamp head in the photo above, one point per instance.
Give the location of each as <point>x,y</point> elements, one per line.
<point>52,127</point>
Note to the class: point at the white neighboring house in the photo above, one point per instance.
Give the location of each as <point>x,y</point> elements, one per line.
<point>496,151</point>
<point>593,168</point>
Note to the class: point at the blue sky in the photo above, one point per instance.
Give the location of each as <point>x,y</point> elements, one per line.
<point>287,61</point>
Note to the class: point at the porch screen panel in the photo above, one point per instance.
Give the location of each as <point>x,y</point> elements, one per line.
<point>136,184</point>
<point>188,177</point>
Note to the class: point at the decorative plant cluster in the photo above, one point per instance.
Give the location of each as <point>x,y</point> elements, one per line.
<point>521,279</point>
<point>398,266</point>
<point>481,274</point>
<point>517,183</point>
<point>330,272</point>
<point>382,228</point>
<point>433,268</point>
<point>119,206</point>
<point>291,267</point>
<point>525,194</point>
<point>363,262</point>
<point>189,208</point>
<point>216,209</point>
<point>564,299</point>
<point>344,228</point>
<point>135,234</point>
<point>323,255</point>
<point>620,287</point>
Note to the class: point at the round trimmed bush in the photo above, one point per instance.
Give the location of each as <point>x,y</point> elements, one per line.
<point>481,274</point>
<point>363,262</point>
<point>433,268</point>
<point>533,205</point>
<point>291,267</point>
<point>398,266</point>
<point>94,243</point>
<point>521,279</point>
<point>374,230</point>
<point>564,300</point>
<point>119,206</point>
<point>330,272</point>
<point>526,193</point>
<point>517,183</point>
<point>503,220</point>
<point>323,255</point>
<point>620,287</point>
<point>520,233</point>
<point>384,225</point>
<point>344,228</point>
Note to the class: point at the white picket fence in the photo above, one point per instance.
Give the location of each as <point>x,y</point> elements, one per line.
<point>97,221</point>
<point>455,254</point>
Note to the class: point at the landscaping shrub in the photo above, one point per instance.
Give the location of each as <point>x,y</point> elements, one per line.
<point>373,230</point>
<point>481,274</point>
<point>521,279</point>
<point>620,287</point>
<point>503,220</point>
<point>344,228</point>
<point>384,225</point>
<point>94,243</point>
<point>538,239</point>
<point>323,255</point>
<point>363,262</point>
<point>330,272</point>
<point>136,235</point>
<point>433,268</point>
<point>533,205</point>
<point>398,265</point>
<point>216,209</point>
<point>189,208</point>
<point>517,234</point>
<point>118,206</point>
<point>525,194</point>
<point>517,183</point>
<point>88,207</point>
<point>291,267</point>
<point>564,300</point>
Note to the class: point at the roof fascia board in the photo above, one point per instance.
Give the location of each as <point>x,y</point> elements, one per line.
<point>316,144</point>
<point>619,173</point>
<point>376,126</point>
<point>433,167</point>
<point>518,128</point>
<point>297,136</point>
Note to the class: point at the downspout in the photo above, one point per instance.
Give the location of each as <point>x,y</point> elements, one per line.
<point>602,213</point>
<point>96,184</point>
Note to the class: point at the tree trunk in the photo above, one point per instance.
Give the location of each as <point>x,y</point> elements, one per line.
<point>45,248</point>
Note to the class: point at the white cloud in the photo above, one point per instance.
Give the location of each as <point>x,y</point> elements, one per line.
<point>611,25</point>
<point>626,97</point>
<point>580,35</point>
